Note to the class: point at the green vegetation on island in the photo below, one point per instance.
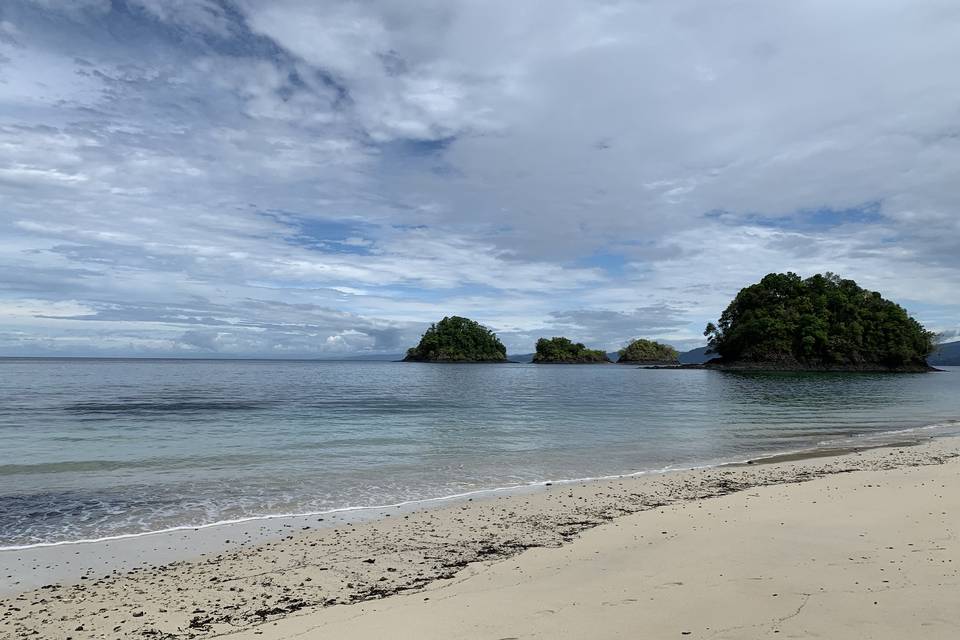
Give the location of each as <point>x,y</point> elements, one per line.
<point>457,339</point>
<point>823,322</point>
<point>564,351</point>
<point>642,351</point>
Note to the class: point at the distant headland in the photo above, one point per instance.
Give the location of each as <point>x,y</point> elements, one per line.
<point>782,323</point>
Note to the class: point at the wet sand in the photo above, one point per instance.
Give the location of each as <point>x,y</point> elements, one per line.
<point>862,545</point>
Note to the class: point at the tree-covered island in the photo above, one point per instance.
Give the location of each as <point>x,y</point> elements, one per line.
<point>457,339</point>
<point>642,351</point>
<point>821,323</point>
<point>560,350</point>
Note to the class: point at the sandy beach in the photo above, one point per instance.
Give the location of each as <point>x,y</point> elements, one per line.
<point>857,545</point>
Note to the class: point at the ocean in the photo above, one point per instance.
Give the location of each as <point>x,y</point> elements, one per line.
<point>95,449</point>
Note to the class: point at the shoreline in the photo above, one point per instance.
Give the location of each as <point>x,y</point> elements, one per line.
<point>903,437</point>
<point>777,367</point>
<point>313,568</point>
<point>867,554</point>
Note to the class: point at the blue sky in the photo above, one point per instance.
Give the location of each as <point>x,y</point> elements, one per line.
<point>315,179</point>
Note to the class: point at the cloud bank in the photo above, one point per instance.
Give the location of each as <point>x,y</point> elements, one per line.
<point>304,179</point>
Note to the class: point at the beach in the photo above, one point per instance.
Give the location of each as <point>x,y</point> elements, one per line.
<point>484,321</point>
<point>861,544</point>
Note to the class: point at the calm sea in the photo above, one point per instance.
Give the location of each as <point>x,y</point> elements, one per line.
<point>97,448</point>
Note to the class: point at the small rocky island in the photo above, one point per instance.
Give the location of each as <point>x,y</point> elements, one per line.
<point>648,352</point>
<point>564,351</point>
<point>458,339</point>
<point>822,323</point>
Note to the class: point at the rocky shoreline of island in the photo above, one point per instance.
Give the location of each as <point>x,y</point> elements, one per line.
<point>779,367</point>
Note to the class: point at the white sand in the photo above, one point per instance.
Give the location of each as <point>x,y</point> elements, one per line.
<point>868,554</point>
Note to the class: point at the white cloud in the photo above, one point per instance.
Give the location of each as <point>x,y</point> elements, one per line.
<point>26,308</point>
<point>206,15</point>
<point>27,175</point>
<point>74,7</point>
<point>524,163</point>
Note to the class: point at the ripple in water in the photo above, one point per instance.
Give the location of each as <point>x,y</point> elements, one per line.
<point>104,448</point>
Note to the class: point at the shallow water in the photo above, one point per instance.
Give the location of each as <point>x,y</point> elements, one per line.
<point>97,448</point>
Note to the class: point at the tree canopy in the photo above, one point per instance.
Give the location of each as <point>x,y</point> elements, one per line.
<point>642,350</point>
<point>457,339</point>
<point>822,321</point>
<point>563,350</point>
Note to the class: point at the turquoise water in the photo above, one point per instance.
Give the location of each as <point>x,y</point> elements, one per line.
<point>97,448</point>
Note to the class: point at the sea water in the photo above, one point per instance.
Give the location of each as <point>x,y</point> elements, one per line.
<point>94,449</point>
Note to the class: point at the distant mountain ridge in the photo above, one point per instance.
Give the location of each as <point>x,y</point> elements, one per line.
<point>946,355</point>
<point>695,356</point>
<point>372,357</point>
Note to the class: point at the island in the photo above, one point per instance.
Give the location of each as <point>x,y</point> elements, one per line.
<point>648,352</point>
<point>559,350</point>
<point>458,339</point>
<point>822,323</point>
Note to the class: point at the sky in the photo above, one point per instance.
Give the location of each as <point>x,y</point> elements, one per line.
<point>323,178</point>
